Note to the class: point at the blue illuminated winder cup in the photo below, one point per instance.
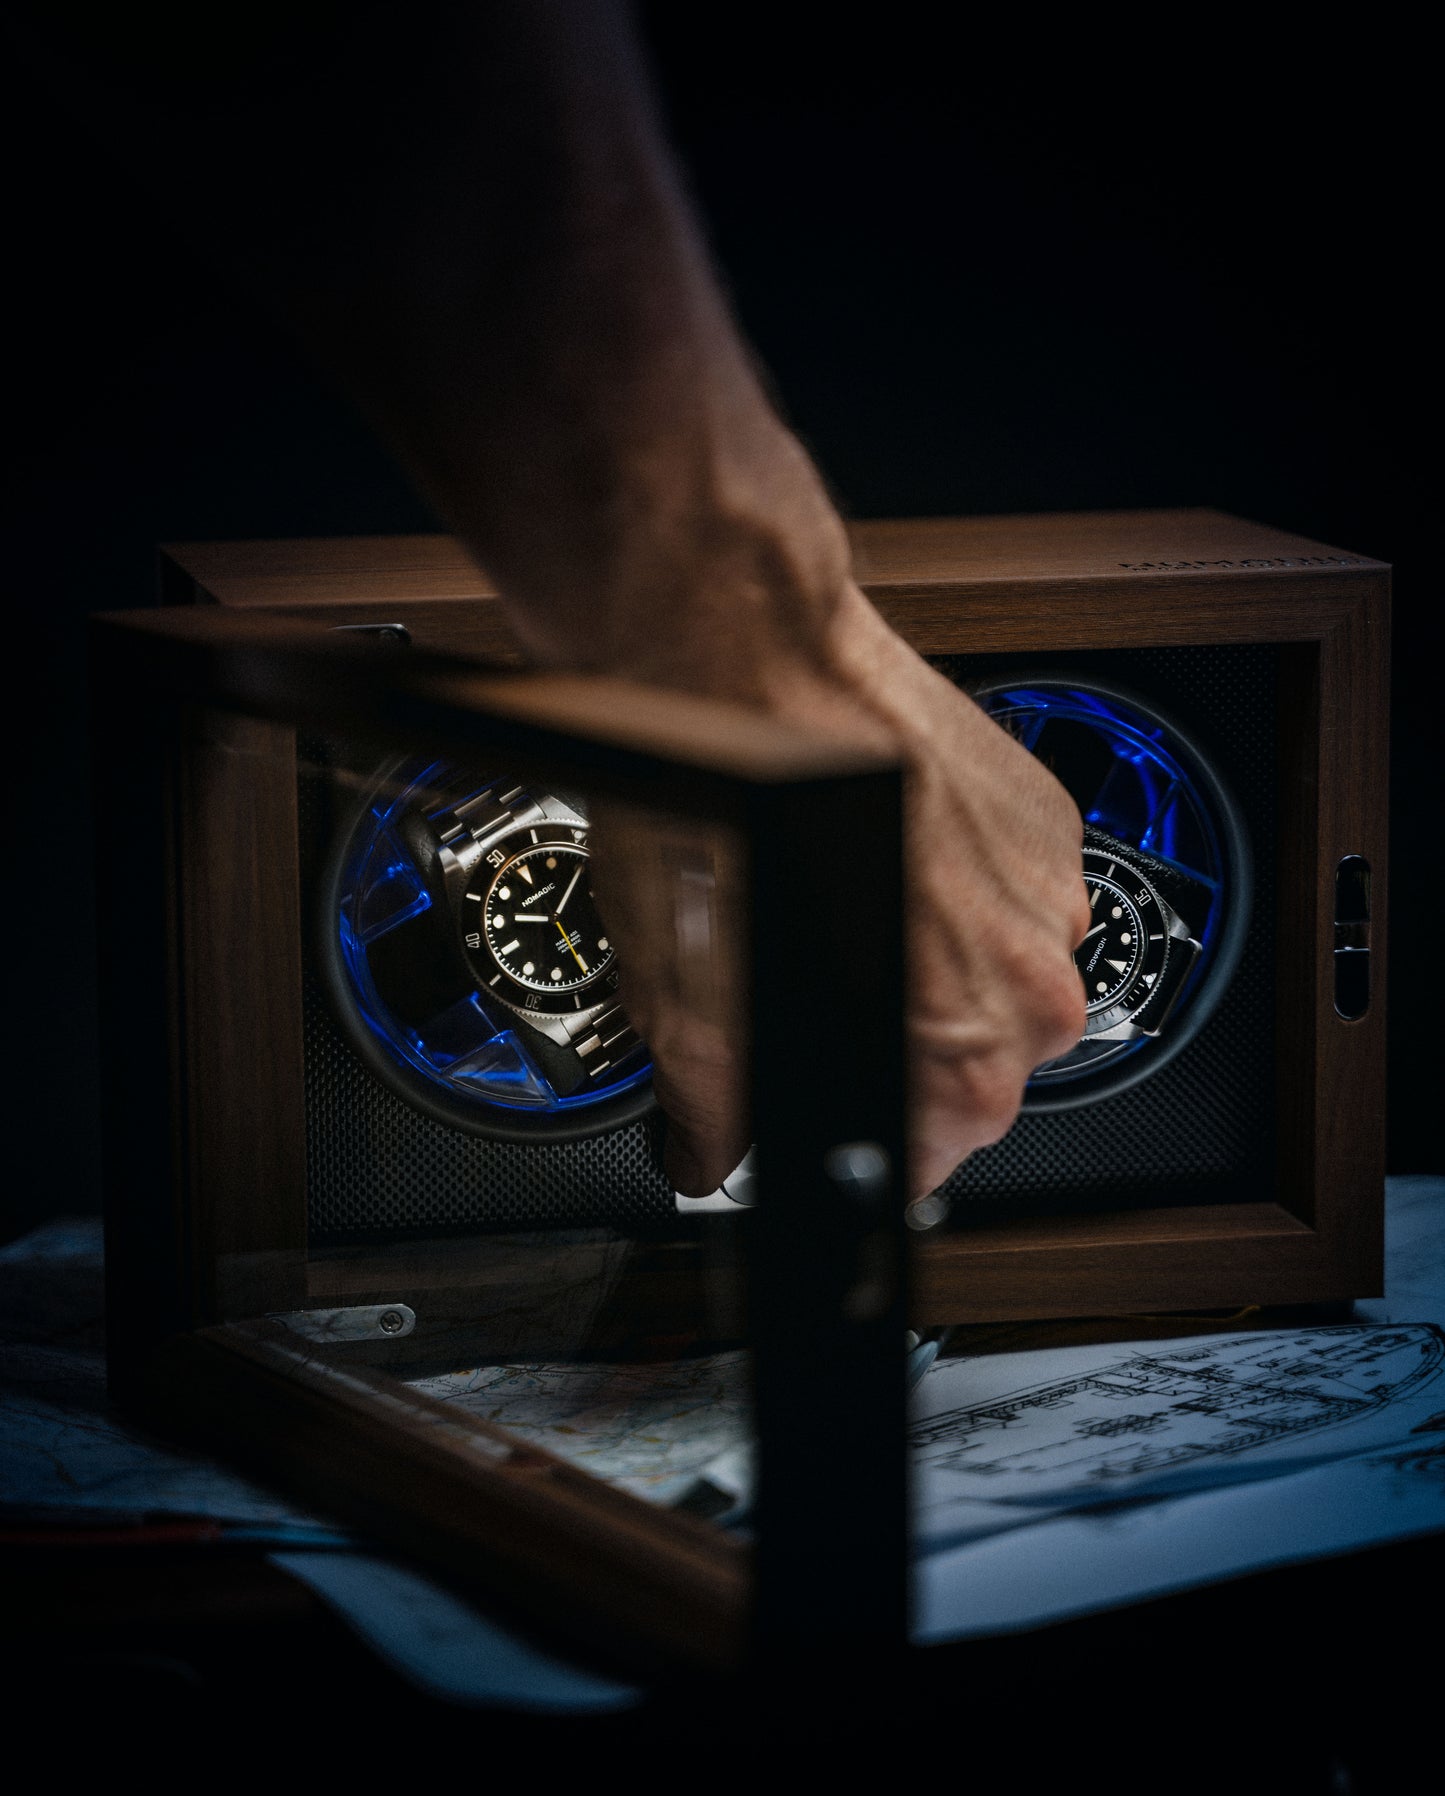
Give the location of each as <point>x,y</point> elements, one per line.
<point>1166,866</point>
<point>466,962</point>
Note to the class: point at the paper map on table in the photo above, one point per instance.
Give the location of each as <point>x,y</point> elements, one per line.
<point>651,1427</point>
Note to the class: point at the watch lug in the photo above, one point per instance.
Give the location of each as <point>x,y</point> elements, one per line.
<point>457,860</point>
<point>550,1026</point>
<point>1188,951</point>
<point>563,1029</point>
<point>1117,1032</point>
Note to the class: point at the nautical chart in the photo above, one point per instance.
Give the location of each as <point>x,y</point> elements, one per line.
<point>650,1427</point>
<point>1113,1422</point>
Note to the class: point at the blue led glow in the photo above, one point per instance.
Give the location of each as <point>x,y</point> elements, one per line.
<point>1155,805</point>
<point>466,1050</point>
<point>1143,795</point>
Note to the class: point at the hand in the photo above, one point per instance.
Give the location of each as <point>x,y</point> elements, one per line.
<point>996,897</point>
<point>996,906</point>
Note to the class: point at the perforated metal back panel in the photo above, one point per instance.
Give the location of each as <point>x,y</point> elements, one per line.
<point>374,1165</point>
<point>1200,1130</point>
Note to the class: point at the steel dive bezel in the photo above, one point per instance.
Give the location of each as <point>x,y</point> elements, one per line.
<point>1137,983</point>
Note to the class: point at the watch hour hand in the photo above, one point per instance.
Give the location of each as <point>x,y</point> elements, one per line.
<point>1094,931</point>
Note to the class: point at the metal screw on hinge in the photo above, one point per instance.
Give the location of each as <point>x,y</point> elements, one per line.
<point>860,1171</point>
<point>862,1174</point>
<point>355,1322</point>
<point>927,1212</point>
<point>387,635</point>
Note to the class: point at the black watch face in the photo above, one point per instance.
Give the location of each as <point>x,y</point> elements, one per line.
<point>531,928</point>
<point>1123,954</point>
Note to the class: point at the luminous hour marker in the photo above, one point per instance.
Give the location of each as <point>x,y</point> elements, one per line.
<point>551,860</point>
<point>504,893</point>
<point>530,967</point>
<point>556,972</point>
<point>1102,986</point>
<point>1094,896</point>
<point>526,872</point>
<point>1126,938</point>
<point>1119,966</point>
<point>499,921</point>
<point>1116,913</point>
<point>509,947</point>
<point>602,944</point>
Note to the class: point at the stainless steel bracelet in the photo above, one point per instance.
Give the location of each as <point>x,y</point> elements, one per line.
<point>599,1034</point>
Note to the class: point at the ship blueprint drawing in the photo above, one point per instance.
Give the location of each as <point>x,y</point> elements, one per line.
<point>1107,1423</point>
<point>1075,1561</point>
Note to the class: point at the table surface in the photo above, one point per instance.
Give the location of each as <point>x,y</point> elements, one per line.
<point>1323,1659</point>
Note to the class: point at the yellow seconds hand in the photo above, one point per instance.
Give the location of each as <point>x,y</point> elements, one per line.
<point>570,949</point>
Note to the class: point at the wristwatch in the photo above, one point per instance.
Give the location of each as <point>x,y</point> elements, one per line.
<point>1140,949</point>
<point>464,960</point>
<point>516,871</point>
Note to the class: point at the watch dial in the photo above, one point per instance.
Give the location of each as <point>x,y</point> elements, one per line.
<point>540,928</point>
<point>1110,955</point>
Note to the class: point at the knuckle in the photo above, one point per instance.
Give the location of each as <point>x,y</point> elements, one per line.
<point>1062,1013</point>
<point>991,1093</point>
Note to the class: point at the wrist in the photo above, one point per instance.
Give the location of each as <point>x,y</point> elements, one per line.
<point>711,571</point>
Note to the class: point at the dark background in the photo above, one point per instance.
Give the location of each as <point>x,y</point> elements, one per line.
<point>985,277</point>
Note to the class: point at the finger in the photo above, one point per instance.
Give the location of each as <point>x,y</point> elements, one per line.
<point>695,1166</point>
<point>699,1151</point>
<point>697,1076</point>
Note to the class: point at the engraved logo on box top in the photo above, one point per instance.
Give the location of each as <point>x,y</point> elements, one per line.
<point>1254,561</point>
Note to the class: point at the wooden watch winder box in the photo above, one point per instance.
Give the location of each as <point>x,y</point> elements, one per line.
<point>1242,1164</point>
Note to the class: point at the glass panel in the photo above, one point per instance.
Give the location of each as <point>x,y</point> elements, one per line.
<point>479,1205</point>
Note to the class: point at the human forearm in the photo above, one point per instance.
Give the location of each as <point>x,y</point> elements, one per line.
<point>506,277</point>
<point>470,216</point>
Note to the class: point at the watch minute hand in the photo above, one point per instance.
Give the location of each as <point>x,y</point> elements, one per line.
<point>561,902</point>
